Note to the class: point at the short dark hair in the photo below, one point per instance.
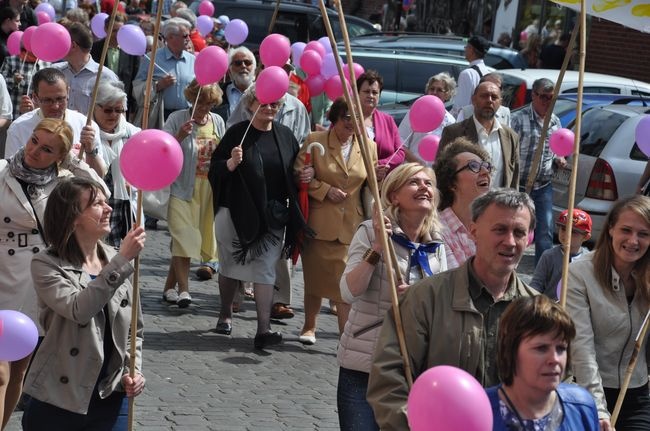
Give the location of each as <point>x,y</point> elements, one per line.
<point>49,75</point>
<point>81,35</point>
<point>527,317</point>
<point>544,85</point>
<point>8,12</point>
<point>371,76</point>
<point>338,109</point>
<point>505,198</point>
<point>62,209</point>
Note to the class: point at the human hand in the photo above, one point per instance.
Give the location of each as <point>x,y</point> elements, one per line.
<point>401,289</point>
<point>18,78</point>
<point>377,226</point>
<point>26,104</point>
<point>236,157</point>
<point>133,243</point>
<point>381,171</point>
<point>336,195</point>
<point>307,174</point>
<point>133,386</point>
<point>87,138</point>
<point>560,162</point>
<point>165,82</point>
<point>186,130</point>
<point>606,425</point>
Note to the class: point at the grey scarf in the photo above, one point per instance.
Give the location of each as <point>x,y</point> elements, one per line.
<point>31,176</point>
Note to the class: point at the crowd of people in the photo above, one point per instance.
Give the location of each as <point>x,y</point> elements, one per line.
<point>261,182</point>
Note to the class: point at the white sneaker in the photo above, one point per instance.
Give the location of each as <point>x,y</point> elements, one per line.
<point>184,300</point>
<point>171,296</point>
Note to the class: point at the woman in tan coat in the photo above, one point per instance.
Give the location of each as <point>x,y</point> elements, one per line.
<point>335,211</point>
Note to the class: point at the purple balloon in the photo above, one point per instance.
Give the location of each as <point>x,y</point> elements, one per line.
<point>558,290</point>
<point>328,67</point>
<point>98,24</point>
<point>325,41</point>
<point>205,25</point>
<point>47,8</point>
<point>18,335</point>
<point>132,40</point>
<point>642,135</point>
<point>296,52</point>
<point>236,32</point>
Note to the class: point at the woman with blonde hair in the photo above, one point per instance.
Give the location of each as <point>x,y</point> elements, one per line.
<point>190,215</point>
<point>409,198</point>
<point>608,298</point>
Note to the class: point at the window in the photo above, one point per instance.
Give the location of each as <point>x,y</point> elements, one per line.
<point>598,125</point>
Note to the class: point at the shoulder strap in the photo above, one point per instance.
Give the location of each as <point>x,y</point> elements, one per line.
<point>480,74</point>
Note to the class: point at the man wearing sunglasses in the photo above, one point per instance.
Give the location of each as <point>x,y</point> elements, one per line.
<point>528,123</point>
<point>241,69</point>
<point>484,130</point>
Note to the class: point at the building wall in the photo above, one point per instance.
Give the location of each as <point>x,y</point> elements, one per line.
<point>618,50</point>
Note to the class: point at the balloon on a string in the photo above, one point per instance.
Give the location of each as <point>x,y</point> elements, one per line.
<point>311,62</point>
<point>316,85</point>
<point>271,84</point>
<point>275,50</point>
<point>236,32</point>
<point>204,25</point>
<point>27,37</point>
<point>98,25</point>
<point>151,159</point>
<point>642,135</point>
<point>206,8</point>
<point>18,335</point>
<point>42,18</point>
<point>210,65</point>
<point>334,87</point>
<point>13,42</point>
<point>132,40</point>
<point>426,114</point>
<point>561,142</point>
<point>46,8</point>
<point>51,42</point>
<point>315,46</point>
<point>428,147</point>
<point>356,68</point>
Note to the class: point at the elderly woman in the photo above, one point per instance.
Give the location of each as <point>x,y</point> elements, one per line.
<point>190,215</point>
<point>380,127</point>
<point>26,181</point>
<point>335,211</point>
<point>463,171</point>
<point>80,375</point>
<point>409,197</point>
<point>114,131</point>
<point>608,299</point>
<point>532,356</point>
<point>443,86</point>
<point>255,200</point>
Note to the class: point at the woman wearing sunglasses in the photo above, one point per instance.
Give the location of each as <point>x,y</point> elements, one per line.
<point>463,172</point>
<point>114,131</point>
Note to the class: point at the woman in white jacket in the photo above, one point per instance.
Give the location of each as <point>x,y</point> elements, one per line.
<point>608,298</point>
<point>409,198</point>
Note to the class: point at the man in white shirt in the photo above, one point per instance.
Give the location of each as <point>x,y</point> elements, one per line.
<point>469,78</point>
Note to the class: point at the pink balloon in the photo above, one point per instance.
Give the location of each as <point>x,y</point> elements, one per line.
<point>356,68</point>
<point>325,42</point>
<point>236,32</point>
<point>204,25</point>
<point>428,147</point>
<point>51,42</point>
<point>275,50</point>
<point>311,62</point>
<point>27,37</point>
<point>151,159</point>
<point>296,52</point>
<point>523,36</point>
<point>448,398</point>
<point>210,65</point>
<point>46,8</point>
<point>18,335</point>
<point>206,8</point>
<point>132,40</point>
<point>641,133</point>
<point>271,84</point>
<point>13,42</point>
<point>42,17</point>
<point>426,114</point>
<point>328,67</point>
<point>561,142</point>
<point>315,46</point>
<point>98,24</point>
<point>334,87</point>
<point>316,85</point>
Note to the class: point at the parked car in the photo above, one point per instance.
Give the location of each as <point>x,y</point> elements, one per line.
<point>300,22</point>
<point>610,162</point>
<point>497,57</point>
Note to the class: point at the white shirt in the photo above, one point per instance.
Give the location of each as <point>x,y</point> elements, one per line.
<point>491,142</point>
<point>6,107</point>
<point>82,83</point>
<point>22,128</point>
<point>467,82</point>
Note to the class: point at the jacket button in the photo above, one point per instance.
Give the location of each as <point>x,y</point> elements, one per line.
<point>11,252</point>
<point>35,231</point>
<point>36,250</point>
<point>10,234</point>
<point>124,303</point>
<point>63,379</point>
<point>74,351</point>
<point>113,277</point>
<point>7,220</point>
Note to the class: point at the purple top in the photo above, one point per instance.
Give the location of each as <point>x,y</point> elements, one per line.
<point>387,139</point>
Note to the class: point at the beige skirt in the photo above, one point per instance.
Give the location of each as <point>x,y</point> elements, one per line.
<point>323,263</point>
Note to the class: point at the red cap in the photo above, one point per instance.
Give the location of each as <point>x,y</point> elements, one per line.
<point>581,220</point>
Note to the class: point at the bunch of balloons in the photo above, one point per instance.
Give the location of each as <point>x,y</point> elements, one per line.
<point>49,41</point>
<point>426,115</point>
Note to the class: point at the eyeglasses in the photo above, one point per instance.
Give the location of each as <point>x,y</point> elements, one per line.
<point>346,117</point>
<point>438,90</point>
<point>476,166</point>
<point>274,105</point>
<point>544,97</point>
<point>240,62</point>
<point>183,35</point>
<point>53,101</point>
<point>109,111</point>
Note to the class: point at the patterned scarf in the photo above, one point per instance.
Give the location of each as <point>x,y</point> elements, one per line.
<point>37,177</point>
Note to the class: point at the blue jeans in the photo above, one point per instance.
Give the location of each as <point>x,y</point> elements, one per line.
<point>543,199</point>
<point>110,414</point>
<point>355,414</point>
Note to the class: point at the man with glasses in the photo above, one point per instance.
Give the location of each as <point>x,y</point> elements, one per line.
<point>502,114</point>
<point>483,129</point>
<point>528,123</point>
<point>241,69</point>
<point>51,97</point>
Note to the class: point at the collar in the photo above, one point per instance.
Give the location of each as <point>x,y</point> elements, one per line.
<point>478,62</point>
<point>496,126</point>
<point>170,56</point>
<point>478,288</point>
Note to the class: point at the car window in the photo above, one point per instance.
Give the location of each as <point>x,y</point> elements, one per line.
<point>563,107</point>
<point>595,89</point>
<point>640,93</point>
<point>497,62</point>
<point>598,125</point>
<point>292,25</point>
<point>387,68</point>
<point>413,75</point>
<point>258,20</point>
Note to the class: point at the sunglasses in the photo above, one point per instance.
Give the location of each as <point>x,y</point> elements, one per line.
<point>544,97</point>
<point>109,111</point>
<point>476,166</point>
<point>274,105</point>
<point>240,62</point>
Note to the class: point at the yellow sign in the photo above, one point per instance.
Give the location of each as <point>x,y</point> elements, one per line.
<point>630,13</point>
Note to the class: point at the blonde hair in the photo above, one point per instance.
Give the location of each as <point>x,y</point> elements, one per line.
<point>210,94</point>
<point>60,129</point>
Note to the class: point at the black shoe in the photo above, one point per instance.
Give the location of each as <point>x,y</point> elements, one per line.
<point>268,339</point>
<point>224,328</point>
<point>151,224</point>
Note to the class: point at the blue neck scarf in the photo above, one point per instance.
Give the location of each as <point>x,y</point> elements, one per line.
<point>420,256</point>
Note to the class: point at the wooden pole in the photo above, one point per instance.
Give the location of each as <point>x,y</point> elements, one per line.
<point>576,150</point>
<point>357,117</point>
<point>274,17</point>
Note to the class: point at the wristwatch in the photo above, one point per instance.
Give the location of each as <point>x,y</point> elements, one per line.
<point>93,152</point>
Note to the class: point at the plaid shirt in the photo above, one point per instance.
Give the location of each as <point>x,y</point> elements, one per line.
<point>459,245</point>
<point>526,123</point>
<point>10,68</point>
